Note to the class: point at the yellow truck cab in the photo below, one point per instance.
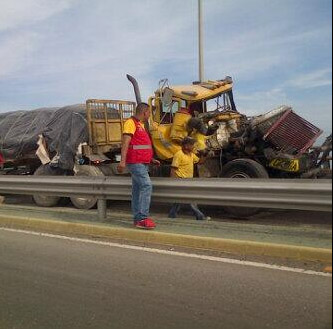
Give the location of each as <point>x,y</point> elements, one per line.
<point>174,109</point>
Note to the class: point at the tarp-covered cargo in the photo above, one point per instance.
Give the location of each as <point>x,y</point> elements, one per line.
<point>63,129</point>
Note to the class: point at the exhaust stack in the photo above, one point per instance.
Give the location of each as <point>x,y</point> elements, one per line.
<point>136,88</point>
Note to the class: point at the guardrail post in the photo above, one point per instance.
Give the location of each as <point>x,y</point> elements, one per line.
<point>101,207</point>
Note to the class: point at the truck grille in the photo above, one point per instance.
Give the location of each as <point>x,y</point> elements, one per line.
<point>291,133</point>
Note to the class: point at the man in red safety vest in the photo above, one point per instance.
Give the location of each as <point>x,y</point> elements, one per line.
<point>136,155</point>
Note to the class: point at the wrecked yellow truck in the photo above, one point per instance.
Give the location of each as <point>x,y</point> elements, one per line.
<point>278,144</point>
<point>85,140</point>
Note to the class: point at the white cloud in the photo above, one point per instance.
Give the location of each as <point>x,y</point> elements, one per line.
<point>314,79</point>
<point>69,58</point>
<point>18,42</point>
<point>16,51</point>
<point>256,103</point>
<point>98,49</point>
<point>318,112</point>
<point>18,13</point>
<point>262,47</point>
<point>264,100</point>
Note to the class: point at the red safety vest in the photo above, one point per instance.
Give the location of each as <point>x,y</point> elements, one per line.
<point>140,148</point>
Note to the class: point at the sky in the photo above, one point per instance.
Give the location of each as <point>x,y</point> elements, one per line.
<point>61,52</point>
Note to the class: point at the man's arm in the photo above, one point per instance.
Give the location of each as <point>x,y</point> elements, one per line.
<point>174,166</point>
<point>156,162</point>
<point>124,149</point>
<point>202,160</point>
<point>173,172</point>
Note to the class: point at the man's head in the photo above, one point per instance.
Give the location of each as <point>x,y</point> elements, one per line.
<point>188,144</point>
<point>142,112</point>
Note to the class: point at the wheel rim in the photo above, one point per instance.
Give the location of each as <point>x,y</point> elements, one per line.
<point>240,175</point>
<point>83,201</point>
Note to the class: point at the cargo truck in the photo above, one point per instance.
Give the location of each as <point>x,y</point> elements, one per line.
<point>85,140</point>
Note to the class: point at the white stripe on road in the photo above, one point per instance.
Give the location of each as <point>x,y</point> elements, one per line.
<point>173,253</point>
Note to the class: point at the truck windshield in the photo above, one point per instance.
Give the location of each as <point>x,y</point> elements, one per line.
<point>171,108</point>
<point>220,103</point>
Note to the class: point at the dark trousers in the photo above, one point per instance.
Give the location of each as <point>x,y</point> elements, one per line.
<point>195,210</point>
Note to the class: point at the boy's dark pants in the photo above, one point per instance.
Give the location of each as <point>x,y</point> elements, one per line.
<point>177,206</point>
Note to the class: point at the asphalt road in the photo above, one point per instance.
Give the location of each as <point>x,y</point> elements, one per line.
<point>53,283</point>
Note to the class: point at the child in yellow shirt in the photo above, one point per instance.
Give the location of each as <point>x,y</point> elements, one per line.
<point>183,167</point>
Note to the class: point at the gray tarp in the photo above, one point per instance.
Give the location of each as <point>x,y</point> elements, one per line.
<point>63,129</point>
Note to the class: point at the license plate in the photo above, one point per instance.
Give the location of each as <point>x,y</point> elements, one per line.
<point>285,165</point>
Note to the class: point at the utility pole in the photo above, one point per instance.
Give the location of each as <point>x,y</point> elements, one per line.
<point>201,45</point>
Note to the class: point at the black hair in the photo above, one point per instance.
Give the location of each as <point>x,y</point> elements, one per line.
<point>141,108</point>
<point>188,141</point>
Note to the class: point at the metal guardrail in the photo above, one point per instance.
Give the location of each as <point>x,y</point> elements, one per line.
<point>270,193</point>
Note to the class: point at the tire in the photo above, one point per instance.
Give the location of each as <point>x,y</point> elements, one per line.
<point>46,200</point>
<point>86,202</point>
<point>246,169</point>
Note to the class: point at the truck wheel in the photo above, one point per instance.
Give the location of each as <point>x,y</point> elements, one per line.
<point>86,202</point>
<point>46,200</point>
<point>247,169</point>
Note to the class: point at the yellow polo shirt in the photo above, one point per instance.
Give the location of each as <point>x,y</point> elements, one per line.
<point>130,127</point>
<point>184,164</point>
